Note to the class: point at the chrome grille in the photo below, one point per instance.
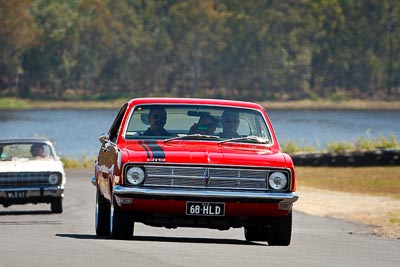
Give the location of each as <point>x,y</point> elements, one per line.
<point>23,179</point>
<point>195,178</point>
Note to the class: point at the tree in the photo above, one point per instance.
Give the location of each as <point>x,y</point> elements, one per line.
<point>49,65</point>
<point>18,32</point>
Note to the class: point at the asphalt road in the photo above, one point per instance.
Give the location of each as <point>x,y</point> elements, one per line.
<point>31,236</point>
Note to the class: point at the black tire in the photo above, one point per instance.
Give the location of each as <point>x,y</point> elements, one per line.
<point>121,223</point>
<point>256,233</point>
<point>280,231</point>
<point>56,205</point>
<point>102,216</point>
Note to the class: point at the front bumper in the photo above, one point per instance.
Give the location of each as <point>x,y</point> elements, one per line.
<point>284,200</point>
<point>31,194</point>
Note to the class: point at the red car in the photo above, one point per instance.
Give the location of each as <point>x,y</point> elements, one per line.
<point>185,162</point>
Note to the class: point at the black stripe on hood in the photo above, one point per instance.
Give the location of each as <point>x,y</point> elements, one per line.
<point>153,150</point>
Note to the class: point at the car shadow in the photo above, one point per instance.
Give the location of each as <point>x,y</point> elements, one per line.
<point>170,239</point>
<point>25,212</point>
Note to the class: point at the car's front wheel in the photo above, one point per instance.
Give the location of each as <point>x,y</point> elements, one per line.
<point>102,215</point>
<point>280,231</point>
<point>56,205</point>
<point>121,222</point>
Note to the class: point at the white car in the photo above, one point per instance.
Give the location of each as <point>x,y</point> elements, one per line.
<point>31,172</point>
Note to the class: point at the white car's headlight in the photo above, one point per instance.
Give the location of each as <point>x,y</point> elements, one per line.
<point>277,180</point>
<point>54,179</point>
<point>135,175</point>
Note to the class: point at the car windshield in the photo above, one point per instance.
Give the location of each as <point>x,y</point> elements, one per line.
<point>29,151</point>
<point>196,122</point>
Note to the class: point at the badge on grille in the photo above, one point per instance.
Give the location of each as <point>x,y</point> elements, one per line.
<point>206,177</point>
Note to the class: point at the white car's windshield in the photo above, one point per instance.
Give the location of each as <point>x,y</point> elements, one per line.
<point>214,123</point>
<point>31,151</point>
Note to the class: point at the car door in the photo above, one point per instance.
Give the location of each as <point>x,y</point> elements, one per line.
<point>109,153</point>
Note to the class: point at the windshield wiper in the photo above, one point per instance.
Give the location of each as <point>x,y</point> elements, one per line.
<point>193,136</point>
<point>247,139</point>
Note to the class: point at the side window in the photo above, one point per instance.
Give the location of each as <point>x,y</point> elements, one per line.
<point>113,132</point>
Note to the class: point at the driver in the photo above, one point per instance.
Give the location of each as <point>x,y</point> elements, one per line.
<point>37,151</point>
<point>157,119</point>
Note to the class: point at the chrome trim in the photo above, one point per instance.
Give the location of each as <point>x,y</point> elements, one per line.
<point>286,197</point>
<point>222,177</point>
<point>29,179</point>
<point>35,192</point>
<point>93,181</point>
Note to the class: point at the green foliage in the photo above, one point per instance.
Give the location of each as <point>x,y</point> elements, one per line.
<point>394,218</point>
<point>340,147</point>
<point>250,50</point>
<point>292,147</point>
<point>339,96</point>
<point>365,143</point>
<point>12,103</point>
<point>362,143</point>
<point>18,32</point>
<point>75,162</point>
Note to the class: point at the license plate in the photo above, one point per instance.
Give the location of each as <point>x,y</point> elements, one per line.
<point>205,208</point>
<point>16,194</point>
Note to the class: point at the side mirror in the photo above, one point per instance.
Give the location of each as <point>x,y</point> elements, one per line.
<point>104,138</point>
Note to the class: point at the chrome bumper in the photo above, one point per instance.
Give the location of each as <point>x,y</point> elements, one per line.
<point>154,192</point>
<point>56,191</point>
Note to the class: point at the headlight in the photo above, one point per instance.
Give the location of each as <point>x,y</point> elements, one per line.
<point>135,176</point>
<point>277,180</point>
<point>54,179</point>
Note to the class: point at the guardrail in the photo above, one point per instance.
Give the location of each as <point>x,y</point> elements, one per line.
<point>384,157</point>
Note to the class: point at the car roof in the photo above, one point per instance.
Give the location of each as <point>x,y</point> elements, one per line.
<point>24,140</point>
<point>194,101</point>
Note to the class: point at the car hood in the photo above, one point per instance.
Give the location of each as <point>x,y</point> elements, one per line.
<point>204,153</point>
<point>26,165</point>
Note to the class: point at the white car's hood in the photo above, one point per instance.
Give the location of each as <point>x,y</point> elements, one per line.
<point>26,165</point>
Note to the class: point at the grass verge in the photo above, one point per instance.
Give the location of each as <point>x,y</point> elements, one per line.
<point>10,103</point>
<point>378,181</point>
<point>367,195</point>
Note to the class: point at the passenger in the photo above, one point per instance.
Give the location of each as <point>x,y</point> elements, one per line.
<point>230,124</point>
<point>157,119</point>
<point>206,125</point>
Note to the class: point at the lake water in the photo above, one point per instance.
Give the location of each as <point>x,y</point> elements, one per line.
<point>75,132</point>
